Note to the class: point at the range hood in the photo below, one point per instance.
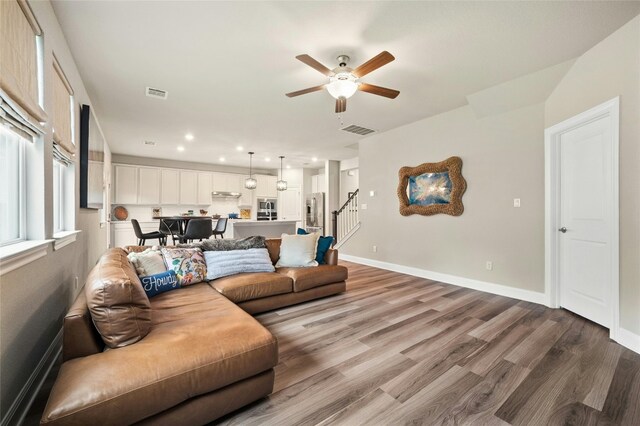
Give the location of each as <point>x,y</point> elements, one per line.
<point>225,195</point>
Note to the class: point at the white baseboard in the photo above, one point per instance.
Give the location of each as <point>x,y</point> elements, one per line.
<point>628,339</point>
<point>501,290</point>
<point>20,406</point>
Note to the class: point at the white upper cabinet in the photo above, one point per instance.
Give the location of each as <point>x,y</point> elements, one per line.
<point>148,185</point>
<point>188,187</point>
<point>205,187</point>
<point>126,188</point>
<point>226,182</point>
<point>266,186</point>
<point>317,183</point>
<point>246,195</point>
<point>169,186</point>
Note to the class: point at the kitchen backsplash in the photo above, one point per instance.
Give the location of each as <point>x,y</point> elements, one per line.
<point>144,213</point>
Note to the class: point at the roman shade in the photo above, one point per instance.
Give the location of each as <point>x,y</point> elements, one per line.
<point>61,121</point>
<point>19,58</point>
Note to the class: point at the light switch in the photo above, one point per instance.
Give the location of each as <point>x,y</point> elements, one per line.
<point>363,206</point>
<point>516,202</point>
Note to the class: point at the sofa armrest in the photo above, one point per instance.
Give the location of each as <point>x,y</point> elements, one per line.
<point>331,258</point>
<point>79,337</point>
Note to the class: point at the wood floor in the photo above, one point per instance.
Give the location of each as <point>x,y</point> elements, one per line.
<point>396,349</point>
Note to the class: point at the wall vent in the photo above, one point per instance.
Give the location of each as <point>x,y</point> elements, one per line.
<point>358,130</point>
<point>150,143</point>
<point>156,93</point>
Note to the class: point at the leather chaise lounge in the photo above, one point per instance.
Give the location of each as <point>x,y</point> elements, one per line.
<point>204,355</point>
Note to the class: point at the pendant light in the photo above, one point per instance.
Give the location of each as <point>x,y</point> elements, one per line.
<point>281,185</point>
<point>250,182</point>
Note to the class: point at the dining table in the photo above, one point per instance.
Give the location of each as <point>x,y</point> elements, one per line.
<point>182,220</point>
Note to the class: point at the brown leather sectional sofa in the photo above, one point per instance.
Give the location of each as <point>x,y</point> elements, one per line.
<point>204,356</point>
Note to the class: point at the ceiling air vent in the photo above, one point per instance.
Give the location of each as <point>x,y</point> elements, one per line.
<point>156,93</point>
<point>150,143</point>
<point>358,130</point>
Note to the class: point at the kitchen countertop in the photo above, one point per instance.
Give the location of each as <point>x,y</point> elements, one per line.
<point>264,222</point>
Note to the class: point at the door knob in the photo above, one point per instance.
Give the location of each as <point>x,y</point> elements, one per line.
<point>563,229</point>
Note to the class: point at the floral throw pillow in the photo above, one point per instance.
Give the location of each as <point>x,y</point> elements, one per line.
<point>188,264</point>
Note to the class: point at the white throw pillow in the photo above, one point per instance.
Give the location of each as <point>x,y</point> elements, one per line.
<point>148,262</point>
<point>230,262</point>
<point>298,250</point>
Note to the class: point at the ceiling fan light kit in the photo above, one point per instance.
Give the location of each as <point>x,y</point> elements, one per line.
<point>344,81</point>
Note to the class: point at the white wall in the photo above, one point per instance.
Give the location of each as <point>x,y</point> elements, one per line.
<point>610,69</point>
<point>503,159</point>
<point>34,298</point>
<point>348,183</point>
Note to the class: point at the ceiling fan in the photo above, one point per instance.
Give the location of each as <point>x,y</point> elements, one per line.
<point>344,81</point>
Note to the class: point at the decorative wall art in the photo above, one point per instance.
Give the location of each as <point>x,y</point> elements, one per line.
<point>432,188</point>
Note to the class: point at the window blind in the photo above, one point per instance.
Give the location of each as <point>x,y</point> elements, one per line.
<point>59,154</point>
<point>61,120</point>
<point>15,119</point>
<point>19,57</point>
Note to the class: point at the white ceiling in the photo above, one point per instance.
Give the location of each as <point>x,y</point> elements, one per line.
<point>227,66</point>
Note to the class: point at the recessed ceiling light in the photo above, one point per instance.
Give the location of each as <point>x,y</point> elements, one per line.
<point>288,166</point>
<point>314,159</point>
<point>267,159</point>
<point>239,148</point>
<point>180,148</point>
<point>221,159</point>
<point>188,137</point>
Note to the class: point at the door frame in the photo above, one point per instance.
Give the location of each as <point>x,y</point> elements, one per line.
<point>552,136</point>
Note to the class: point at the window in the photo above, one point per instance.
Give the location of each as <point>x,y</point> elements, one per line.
<point>12,197</point>
<point>58,196</point>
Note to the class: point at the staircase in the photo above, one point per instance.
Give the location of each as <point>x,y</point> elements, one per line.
<point>346,221</point>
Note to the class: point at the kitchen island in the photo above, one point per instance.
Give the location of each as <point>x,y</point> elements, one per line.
<point>264,228</point>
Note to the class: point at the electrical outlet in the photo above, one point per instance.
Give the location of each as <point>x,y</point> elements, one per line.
<point>363,206</point>
<point>516,202</point>
<point>375,249</point>
<point>489,265</point>
<point>76,283</point>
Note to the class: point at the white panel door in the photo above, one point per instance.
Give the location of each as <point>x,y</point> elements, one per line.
<point>126,190</point>
<point>586,193</point>
<point>290,204</point>
<point>188,187</point>
<point>170,187</point>
<point>205,187</point>
<point>148,185</point>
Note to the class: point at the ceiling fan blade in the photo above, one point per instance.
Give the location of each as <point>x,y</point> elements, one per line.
<point>341,104</point>
<point>314,64</point>
<point>377,90</point>
<point>373,64</point>
<point>305,91</point>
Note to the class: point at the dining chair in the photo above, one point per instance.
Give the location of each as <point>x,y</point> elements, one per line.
<point>221,228</point>
<point>197,229</point>
<point>170,227</point>
<point>142,237</point>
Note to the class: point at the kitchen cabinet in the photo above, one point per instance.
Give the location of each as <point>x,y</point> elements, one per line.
<point>126,185</point>
<point>124,235</point>
<point>205,187</point>
<point>169,186</point>
<point>266,186</point>
<point>317,184</point>
<point>148,185</point>
<point>246,195</point>
<point>290,204</point>
<point>188,187</point>
<point>226,182</point>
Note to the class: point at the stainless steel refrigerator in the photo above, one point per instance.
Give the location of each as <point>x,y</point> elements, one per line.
<point>314,209</point>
